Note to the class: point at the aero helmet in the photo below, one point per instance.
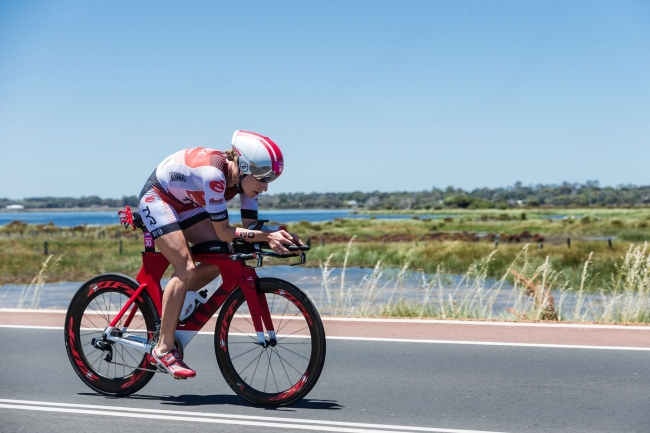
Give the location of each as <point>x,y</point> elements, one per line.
<point>258,156</point>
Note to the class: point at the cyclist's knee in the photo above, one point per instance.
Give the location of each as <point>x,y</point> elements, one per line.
<point>186,273</point>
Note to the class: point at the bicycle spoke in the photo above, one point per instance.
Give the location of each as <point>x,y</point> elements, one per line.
<point>291,365</point>
<point>90,333</point>
<point>101,330</point>
<point>287,335</point>
<point>244,316</point>
<point>85,316</point>
<point>241,332</point>
<point>122,357</point>
<point>256,365</point>
<point>242,354</point>
<point>297,354</point>
<point>272,303</point>
<point>267,376</point>
<point>129,353</point>
<point>101,312</point>
<point>283,367</point>
<point>283,313</point>
<point>270,355</point>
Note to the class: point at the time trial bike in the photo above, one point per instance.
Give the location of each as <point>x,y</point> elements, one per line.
<point>269,339</point>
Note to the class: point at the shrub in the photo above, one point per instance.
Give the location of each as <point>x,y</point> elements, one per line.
<point>618,224</point>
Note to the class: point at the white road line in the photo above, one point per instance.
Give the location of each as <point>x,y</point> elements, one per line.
<point>260,421</point>
<point>436,321</point>
<point>491,343</point>
<point>31,327</point>
<point>408,340</point>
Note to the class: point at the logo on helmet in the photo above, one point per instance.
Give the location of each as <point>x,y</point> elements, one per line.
<point>243,165</point>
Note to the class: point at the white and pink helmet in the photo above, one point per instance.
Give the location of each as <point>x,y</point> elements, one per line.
<point>258,155</point>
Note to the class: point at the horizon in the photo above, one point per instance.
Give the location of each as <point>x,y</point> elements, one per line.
<point>365,96</point>
<point>587,184</point>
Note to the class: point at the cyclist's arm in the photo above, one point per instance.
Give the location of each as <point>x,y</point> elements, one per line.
<point>276,240</point>
<point>248,210</point>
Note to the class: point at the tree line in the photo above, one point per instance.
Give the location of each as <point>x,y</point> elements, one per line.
<point>563,195</point>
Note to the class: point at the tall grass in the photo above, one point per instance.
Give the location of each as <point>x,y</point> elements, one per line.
<point>30,295</point>
<point>525,291</point>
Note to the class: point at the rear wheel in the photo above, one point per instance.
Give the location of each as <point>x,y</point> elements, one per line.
<point>283,372</point>
<point>110,369</point>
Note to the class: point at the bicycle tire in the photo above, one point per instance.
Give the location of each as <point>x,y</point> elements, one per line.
<point>297,367</point>
<point>91,310</point>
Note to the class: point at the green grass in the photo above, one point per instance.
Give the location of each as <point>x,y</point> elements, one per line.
<point>625,224</point>
<point>78,259</point>
<point>457,257</point>
<point>391,241</point>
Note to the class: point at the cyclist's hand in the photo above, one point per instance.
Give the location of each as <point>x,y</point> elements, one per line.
<point>296,239</point>
<point>278,240</point>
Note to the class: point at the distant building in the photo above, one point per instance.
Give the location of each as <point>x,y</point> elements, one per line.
<point>15,206</point>
<point>352,203</point>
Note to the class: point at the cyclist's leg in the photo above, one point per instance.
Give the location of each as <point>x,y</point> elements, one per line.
<point>174,247</point>
<point>201,231</point>
<point>161,216</point>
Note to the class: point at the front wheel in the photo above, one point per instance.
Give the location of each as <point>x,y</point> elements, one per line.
<point>283,372</point>
<point>106,367</point>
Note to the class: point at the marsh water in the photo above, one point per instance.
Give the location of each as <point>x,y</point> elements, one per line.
<point>77,218</point>
<point>357,291</point>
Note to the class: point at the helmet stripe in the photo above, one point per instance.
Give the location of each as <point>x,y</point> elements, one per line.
<point>276,157</point>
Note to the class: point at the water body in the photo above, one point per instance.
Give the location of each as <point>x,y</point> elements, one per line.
<point>73,218</point>
<point>310,280</point>
<point>337,297</point>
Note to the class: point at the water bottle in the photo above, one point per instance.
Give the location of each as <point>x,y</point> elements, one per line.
<point>193,300</point>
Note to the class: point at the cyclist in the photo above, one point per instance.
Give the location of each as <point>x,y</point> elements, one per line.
<point>184,201</point>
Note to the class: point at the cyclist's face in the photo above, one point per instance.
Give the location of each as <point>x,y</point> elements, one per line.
<point>253,187</point>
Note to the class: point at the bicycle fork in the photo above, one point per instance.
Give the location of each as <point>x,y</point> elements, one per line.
<point>259,309</point>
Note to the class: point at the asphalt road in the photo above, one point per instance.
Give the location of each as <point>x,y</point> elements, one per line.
<point>366,386</point>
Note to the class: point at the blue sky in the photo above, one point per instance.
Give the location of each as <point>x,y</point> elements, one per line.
<point>361,95</point>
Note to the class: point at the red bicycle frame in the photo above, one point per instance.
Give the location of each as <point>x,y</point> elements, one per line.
<point>235,273</point>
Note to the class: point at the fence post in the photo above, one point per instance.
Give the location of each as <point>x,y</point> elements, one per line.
<point>568,242</point>
<point>541,245</point>
<point>308,243</point>
<point>322,242</point>
<point>45,248</point>
<point>496,244</point>
<point>120,246</point>
<point>609,242</point>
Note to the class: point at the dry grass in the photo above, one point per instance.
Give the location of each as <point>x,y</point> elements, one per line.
<point>537,292</point>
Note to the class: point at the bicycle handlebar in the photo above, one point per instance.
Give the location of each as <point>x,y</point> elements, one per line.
<point>298,251</point>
